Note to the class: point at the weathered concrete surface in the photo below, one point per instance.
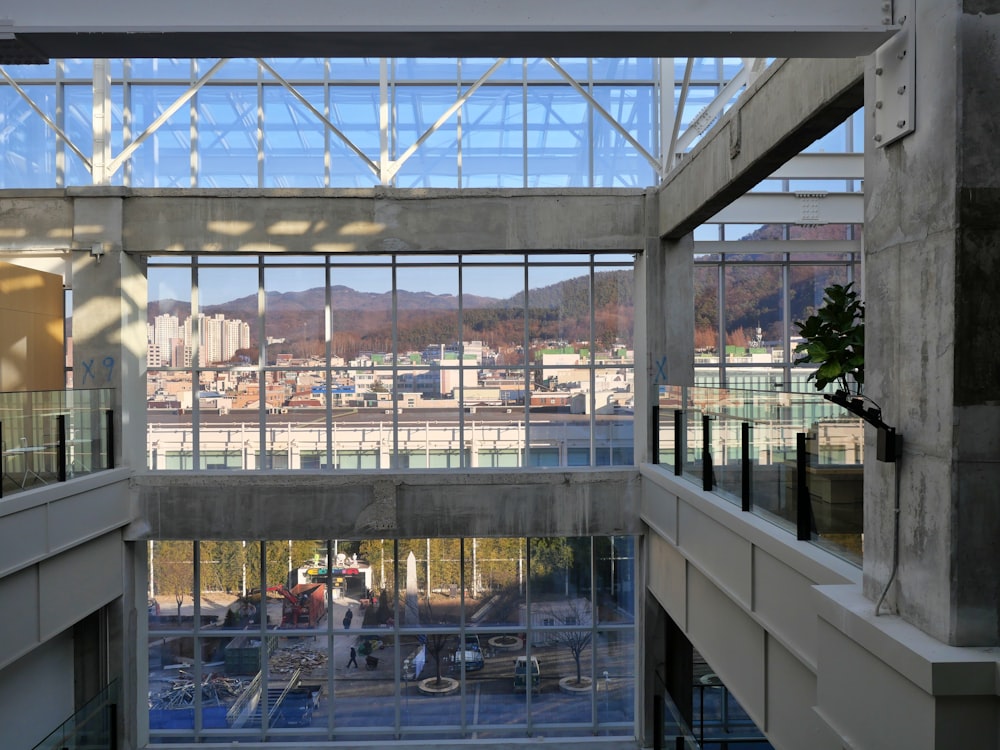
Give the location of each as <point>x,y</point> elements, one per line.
<point>109,319</point>
<point>664,328</point>
<point>35,220</point>
<point>383,221</point>
<point>379,220</point>
<point>366,505</point>
<point>791,105</point>
<point>933,341</point>
<point>664,323</point>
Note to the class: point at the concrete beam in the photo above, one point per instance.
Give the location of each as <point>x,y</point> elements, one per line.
<point>360,505</point>
<point>791,105</point>
<point>333,221</point>
<point>401,28</point>
<point>384,221</point>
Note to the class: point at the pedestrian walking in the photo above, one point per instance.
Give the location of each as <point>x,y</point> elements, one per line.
<point>353,660</point>
<point>347,622</point>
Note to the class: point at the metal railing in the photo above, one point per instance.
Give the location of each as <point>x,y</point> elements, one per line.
<point>93,727</point>
<point>52,436</point>
<point>796,459</point>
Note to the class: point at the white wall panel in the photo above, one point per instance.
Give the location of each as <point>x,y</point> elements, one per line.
<point>883,707</point>
<point>88,514</point>
<point>79,582</point>
<point>19,625</point>
<point>666,577</point>
<point>782,602</point>
<point>791,699</point>
<point>723,555</point>
<point>36,693</point>
<point>731,642</point>
<point>22,538</point>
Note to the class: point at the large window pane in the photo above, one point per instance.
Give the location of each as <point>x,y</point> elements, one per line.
<point>227,145</point>
<point>226,329</point>
<point>165,159</point>
<point>616,162</point>
<point>558,122</point>
<point>706,313</point>
<point>29,146</point>
<point>79,128</point>
<point>754,310</point>
<point>435,163</point>
<point>493,138</point>
<point>294,137</point>
<point>352,111</point>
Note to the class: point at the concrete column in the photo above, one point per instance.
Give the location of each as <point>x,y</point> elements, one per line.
<point>109,320</point>
<point>664,322</point>
<point>932,236</point>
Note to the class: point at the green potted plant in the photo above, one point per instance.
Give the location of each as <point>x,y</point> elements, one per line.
<point>834,339</point>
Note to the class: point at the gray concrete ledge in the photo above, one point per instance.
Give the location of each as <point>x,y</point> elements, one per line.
<point>374,505</point>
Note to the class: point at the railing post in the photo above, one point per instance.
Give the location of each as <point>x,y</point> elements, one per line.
<point>803,509</point>
<point>3,466</point>
<point>745,466</point>
<point>61,447</point>
<point>109,417</point>
<point>113,726</point>
<point>706,453</point>
<point>656,433</point>
<point>657,722</point>
<point>678,442</point>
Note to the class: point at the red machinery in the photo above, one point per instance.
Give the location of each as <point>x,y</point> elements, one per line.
<point>304,605</point>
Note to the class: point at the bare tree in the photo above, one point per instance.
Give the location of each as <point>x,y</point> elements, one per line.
<point>572,613</point>
<point>435,643</point>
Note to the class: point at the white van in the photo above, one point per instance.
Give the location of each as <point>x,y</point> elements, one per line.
<point>521,673</point>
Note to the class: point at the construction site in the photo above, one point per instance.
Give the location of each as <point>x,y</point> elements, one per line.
<point>297,690</point>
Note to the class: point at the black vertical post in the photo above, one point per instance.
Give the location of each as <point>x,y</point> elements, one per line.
<point>706,453</point>
<point>109,416</point>
<point>113,725</point>
<point>3,467</point>
<point>678,442</point>
<point>803,513</point>
<point>656,433</point>
<point>745,465</point>
<point>61,447</point>
<point>657,722</point>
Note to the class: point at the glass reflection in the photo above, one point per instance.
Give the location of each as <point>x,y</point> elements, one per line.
<point>460,647</point>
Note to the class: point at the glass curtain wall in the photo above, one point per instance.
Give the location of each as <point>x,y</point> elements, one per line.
<point>386,639</point>
<point>407,362</point>
<point>333,122</point>
<point>413,122</point>
<point>754,282</point>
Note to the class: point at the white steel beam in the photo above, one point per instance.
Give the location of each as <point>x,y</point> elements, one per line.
<point>813,207</point>
<point>813,166</point>
<point>776,247</point>
<point>792,103</point>
<point>490,28</point>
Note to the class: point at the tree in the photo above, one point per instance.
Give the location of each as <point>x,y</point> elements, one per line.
<point>572,613</point>
<point>173,570</point>
<point>835,340</point>
<point>434,643</point>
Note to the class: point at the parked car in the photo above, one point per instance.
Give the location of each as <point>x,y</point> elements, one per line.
<point>521,675</point>
<point>473,659</point>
